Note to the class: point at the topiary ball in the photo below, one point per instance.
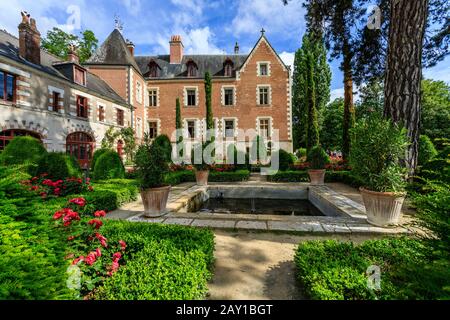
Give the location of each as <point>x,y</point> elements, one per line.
<point>318,158</point>
<point>285,159</point>
<point>22,150</point>
<point>109,166</point>
<point>58,166</point>
<point>97,154</point>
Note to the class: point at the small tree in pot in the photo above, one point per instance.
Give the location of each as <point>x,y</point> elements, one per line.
<point>200,165</point>
<point>151,168</point>
<point>318,159</point>
<point>378,150</point>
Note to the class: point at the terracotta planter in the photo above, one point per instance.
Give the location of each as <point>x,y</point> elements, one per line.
<point>317,177</point>
<point>201,176</point>
<point>155,201</point>
<point>383,209</point>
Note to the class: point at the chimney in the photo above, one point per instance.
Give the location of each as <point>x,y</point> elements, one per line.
<point>130,46</point>
<point>29,39</point>
<point>72,55</point>
<point>176,50</point>
<point>236,48</point>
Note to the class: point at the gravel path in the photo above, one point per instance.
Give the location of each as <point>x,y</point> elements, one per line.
<point>257,266</point>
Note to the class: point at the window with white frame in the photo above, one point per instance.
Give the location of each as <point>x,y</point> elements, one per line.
<point>153,97</point>
<point>264,128</point>
<point>263,69</point>
<point>263,95</point>
<point>190,124</point>
<point>139,92</point>
<point>152,129</point>
<point>228,96</point>
<point>191,97</point>
<point>229,125</point>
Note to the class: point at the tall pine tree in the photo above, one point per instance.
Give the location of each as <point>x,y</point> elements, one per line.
<point>178,127</point>
<point>209,114</point>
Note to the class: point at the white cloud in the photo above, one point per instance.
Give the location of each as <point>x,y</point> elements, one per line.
<point>133,6</point>
<point>286,21</point>
<point>336,93</point>
<point>288,58</point>
<point>199,41</point>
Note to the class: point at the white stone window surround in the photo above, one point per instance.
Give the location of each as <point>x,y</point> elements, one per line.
<point>99,104</point>
<point>258,68</point>
<point>157,96</point>
<point>51,90</point>
<point>222,95</point>
<point>258,124</point>
<point>158,125</point>
<point>235,120</point>
<point>185,96</point>
<point>216,127</point>
<point>138,91</point>
<point>197,128</point>
<point>269,95</point>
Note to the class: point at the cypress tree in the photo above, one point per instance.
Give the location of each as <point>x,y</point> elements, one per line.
<point>312,134</point>
<point>178,126</point>
<point>209,115</point>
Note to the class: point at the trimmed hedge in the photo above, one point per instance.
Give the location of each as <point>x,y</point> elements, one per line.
<point>58,166</point>
<point>22,150</point>
<point>110,195</point>
<point>164,262</point>
<point>332,270</point>
<point>177,177</point>
<point>109,166</point>
<point>302,176</point>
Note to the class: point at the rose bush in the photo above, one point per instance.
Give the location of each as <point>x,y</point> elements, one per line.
<point>48,188</point>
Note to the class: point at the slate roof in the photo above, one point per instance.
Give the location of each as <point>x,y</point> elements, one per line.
<point>113,51</point>
<point>212,63</point>
<point>9,47</point>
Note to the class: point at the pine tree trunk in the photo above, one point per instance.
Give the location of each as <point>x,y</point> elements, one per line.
<point>349,108</point>
<point>404,70</point>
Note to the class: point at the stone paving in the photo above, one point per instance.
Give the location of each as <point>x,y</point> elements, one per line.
<point>350,221</point>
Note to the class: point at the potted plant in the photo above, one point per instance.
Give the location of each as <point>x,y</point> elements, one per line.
<point>201,168</point>
<point>317,159</point>
<point>151,168</point>
<point>378,150</point>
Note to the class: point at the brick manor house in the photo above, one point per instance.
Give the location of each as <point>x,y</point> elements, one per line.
<point>69,106</point>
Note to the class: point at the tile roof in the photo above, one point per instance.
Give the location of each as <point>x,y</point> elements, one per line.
<point>113,51</point>
<point>214,64</point>
<point>9,47</point>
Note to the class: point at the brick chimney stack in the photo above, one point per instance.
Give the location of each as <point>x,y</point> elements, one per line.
<point>29,39</point>
<point>130,46</point>
<point>176,50</point>
<point>72,55</point>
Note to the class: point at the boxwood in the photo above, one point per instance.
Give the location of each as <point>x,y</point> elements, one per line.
<point>163,262</point>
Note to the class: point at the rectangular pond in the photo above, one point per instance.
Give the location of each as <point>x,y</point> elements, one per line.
<point>286,207</point>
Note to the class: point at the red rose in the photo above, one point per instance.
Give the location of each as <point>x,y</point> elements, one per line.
<point>102,239</point>
<point>117,256</point>
<point>98,253</point>
<point>90,188</point>
<point>79,202</point>
<point>100,213</point>
<point>90,259</point>
<point>70,238</point>
<point>96,223</point>
<point>77,260</point>
<point>123,245</point>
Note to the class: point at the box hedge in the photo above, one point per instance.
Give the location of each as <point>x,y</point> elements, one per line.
<point>22,150</point>
<point>109,166</point>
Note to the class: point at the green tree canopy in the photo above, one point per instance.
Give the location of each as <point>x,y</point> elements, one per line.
<point>435,109</point>
<point>331,133</point>
<point>57,42</point>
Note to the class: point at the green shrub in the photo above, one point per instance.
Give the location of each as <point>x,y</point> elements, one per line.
<point>97,154</point>
<point>164,142</point>
<point>378,146</point>
<point>163,262</point>
<point>177,177</point>
<point>22,150</point>
<point>289,176</point>
<point>301,153</point>
<point>285,159</point>
<point>335,270</point>
<point>58,166</point>
<point>151,165</point>
<point>318,158</point>
<point>109,166</point>
<point>110,195</point>
<point>427,151</point>
<point>232,176</point>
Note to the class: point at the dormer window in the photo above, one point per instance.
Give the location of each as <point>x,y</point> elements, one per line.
<point>79,76</point>
<point>191,68</point>
<point>228,68</point>
<point>153,69</point>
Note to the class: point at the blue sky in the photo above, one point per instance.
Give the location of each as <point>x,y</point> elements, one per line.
<point>206,26</point>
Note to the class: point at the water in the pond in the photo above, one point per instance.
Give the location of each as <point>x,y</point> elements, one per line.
<point>261,206</point>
